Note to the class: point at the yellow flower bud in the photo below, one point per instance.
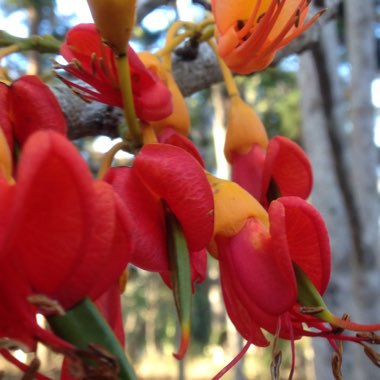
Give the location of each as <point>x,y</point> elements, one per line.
<point>244,129</point>
<point>179,119</point>
<point>233,206</point>
<point>114,20</point>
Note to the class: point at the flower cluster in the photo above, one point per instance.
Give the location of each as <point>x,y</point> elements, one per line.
<point>66,239</point>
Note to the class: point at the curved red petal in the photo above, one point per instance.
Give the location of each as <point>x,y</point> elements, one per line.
<point>52,212</point>
<point>7,193</point>
<point>153,100</point>
<point>176,177</point>
<point>146,211</point>
<point>17,320</point>
<point>82,43</point>
<point>288,165</point>
<point>34,107</point>
<point>96,255</point>
<point>247,170</point>
<point>262,264</point>
<point>307,238</point>
<point>172,137</point>
<point>241,316</point>
<point>119,253</point>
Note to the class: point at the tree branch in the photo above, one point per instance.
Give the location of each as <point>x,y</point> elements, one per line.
<point>91,119</point>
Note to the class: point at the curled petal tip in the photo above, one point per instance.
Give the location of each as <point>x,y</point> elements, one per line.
<point>184,343</point>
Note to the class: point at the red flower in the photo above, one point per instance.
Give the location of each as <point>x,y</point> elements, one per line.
<point>94,63</point>
<point>249,33</point>
<point>282,169</point>
<point>262,255</point>
<point>26,106</point>
<point>266,169</point>
<point>165,176</point>
<point>63,235</point>
<point>274,268</point>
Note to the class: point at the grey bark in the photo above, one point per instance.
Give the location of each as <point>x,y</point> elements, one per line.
<point>361,52</point>
<point>345,176</point>
<point>329,200</point>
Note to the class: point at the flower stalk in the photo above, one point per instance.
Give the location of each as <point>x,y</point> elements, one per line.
<point>133,135</point>
<point>227,75</point>
<point>42,44</point>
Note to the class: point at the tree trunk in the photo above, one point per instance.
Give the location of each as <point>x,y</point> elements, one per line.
<point>330,203</point>
<point>34,62</point>
<point>345,175</point>
<point>361,53</point>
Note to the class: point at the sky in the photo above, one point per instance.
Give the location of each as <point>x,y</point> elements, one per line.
<point>14,24</point>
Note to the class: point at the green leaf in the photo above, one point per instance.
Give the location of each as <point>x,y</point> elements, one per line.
<point>179,262</point>
<point>309,296</point>
<point>84,325</point>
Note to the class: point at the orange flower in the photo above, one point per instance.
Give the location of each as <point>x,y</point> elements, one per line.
<point>249,33</point>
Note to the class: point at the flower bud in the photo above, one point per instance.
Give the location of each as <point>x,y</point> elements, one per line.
<point>179,119</point>
<point>244,129</point>
<point>114,20</point>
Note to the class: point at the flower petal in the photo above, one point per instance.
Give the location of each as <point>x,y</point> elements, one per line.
<point>172,137</point>
<point>244,129</point>
<point>17,320</point>
<point>33,107</point>
<point>287,164</point>
<point>146,211</point>
<point>176,177</point>
<point>307,238</point>
<point>262,264</point>
<point>82,42</point>
<point>94,63</point>
<point>247,170</point>
<point>52,211</point>
<point>119,252</point>
<point>233,206</point>
<point>246,323</point>
<point>105,256</point>
<point>179,119</point>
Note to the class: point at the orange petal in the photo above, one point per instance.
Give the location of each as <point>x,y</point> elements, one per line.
<point>179,119</point>
<point>244,129</point>
<point>233,206</point>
